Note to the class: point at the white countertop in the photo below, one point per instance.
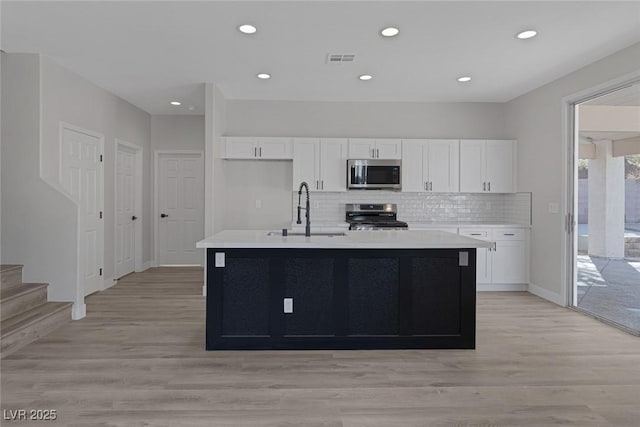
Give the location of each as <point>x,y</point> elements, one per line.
<point>465,225</point>
<point>379,239</point>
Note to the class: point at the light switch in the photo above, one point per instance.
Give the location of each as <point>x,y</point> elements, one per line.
<point>219,259</point>
<point>554,207</point>
<point>288,305</point>
<point>258,204</point>
<point>463,260</point>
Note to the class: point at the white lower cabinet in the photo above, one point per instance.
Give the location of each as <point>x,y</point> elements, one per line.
<point>508,262</point>
<point>321,163</point>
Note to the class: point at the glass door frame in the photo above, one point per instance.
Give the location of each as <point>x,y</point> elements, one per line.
<point>570,162</point>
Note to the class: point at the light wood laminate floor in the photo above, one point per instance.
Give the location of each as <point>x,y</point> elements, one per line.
<point>138,359</point>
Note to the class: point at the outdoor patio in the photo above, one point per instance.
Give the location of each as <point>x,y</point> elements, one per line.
<point>610,288</point>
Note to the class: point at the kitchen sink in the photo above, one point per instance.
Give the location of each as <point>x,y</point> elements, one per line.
<point>296,233</point>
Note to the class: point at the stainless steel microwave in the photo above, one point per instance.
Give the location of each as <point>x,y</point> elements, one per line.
<point>374,175</point>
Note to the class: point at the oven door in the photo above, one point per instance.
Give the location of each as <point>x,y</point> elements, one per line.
<point>374,175</point>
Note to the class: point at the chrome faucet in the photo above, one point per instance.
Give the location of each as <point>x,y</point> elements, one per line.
<point>307,208</point>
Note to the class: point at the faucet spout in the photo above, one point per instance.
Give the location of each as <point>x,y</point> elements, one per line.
<point>307,208</point>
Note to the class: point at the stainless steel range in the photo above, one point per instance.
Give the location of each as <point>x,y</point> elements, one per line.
<point>381,216</point>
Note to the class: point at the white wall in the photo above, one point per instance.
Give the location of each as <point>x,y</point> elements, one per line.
<point>39,225</point>
<point>334,119</point>
<point>219,171</point>
<point>365,119</point>
<point>70,98</point>
<point>173,132</point>
<point>535,120</point>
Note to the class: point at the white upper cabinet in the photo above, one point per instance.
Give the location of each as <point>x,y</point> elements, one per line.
<point>368,148</point>
<point>321,163</point>
<point>430,165</point>
<point>237,147</point>
<point>487,166</point>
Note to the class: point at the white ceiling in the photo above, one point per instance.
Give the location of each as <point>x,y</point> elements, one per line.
<point>151,52</point>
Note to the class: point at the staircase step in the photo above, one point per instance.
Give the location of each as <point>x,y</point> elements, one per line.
<point>21,298</point>
<point>10,275</point>
<point>24,328</point>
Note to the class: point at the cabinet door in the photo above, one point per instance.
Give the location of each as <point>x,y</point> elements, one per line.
<point>241,148</point>
<point>361,148</point>
<point>483,265</point>
<point>333,165</point>
<point>472,160</point>
<point>306,163</point>
<point>442,166</point>
<point>509,263</point>
<point>500,167</point>
<point>388,149</point>
<point>412,170</point>
<point>274,148</point>
<point>483,255</point>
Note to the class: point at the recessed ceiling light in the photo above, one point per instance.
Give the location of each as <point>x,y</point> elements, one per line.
<point>263,76</point>
<point>464,79</point>
<point>365,77</point>
<point>176,103</point>
<point>526,34</point>
<point>389,32</point>
<point>247,29</point>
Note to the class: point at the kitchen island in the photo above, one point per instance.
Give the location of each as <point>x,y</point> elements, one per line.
<point>360,290</point>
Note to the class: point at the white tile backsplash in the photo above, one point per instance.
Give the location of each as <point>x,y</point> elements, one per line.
<point>424,207</point>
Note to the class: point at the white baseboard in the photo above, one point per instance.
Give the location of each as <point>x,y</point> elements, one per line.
<point>78,311</point>
<point>146,265</point>
<point>501,287</point>
<point>107,283</point>
<point>547,294</point>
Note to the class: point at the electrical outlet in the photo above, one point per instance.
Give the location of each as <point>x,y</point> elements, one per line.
<point>258,203</point>
<point>288,305</point>
<point>554,208</point>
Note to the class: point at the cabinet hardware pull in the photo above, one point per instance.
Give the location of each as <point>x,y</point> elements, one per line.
<point>255,151</point>
<point>317,185</point>
<point>260,151</point>
<point>509,234</point>
<point>489,186</point>
<point>377,152</point>
<point>484,186</point>
<point>431,186</point>
<point>476,234</point>
<point>322,182</point>
<point>426,188</point>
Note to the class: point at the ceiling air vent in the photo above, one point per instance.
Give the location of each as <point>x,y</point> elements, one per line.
<point>334,58</point>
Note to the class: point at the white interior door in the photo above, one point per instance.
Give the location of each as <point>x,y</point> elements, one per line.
<point>81,177</point>
<point>180,208</point>
<point>125,210</point>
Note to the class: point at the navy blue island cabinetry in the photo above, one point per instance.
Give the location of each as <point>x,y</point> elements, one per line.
<point>261,298</point>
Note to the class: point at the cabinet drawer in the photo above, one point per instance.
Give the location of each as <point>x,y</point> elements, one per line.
<point>509,234</point>
<point>476,233</point>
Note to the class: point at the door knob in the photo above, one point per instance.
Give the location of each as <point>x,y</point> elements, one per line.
<point>133,218</point>
<point>163,215</point>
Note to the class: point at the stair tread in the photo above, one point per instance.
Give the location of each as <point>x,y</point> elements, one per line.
<point>32,316</point>
<point>18,290</point>
<point>8,267</point>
